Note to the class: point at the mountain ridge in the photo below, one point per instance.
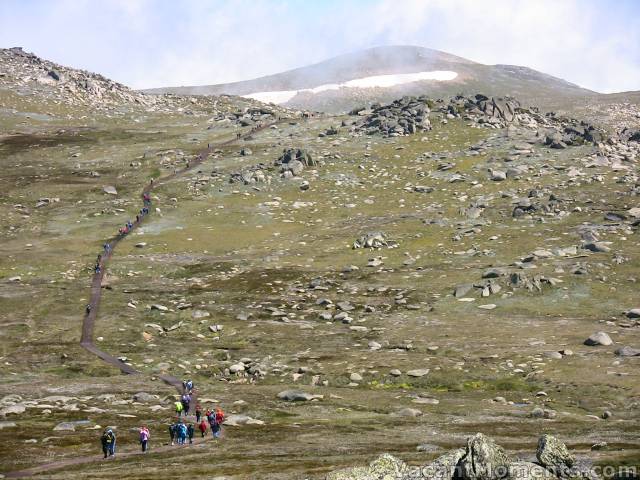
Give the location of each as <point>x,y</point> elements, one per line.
<point>471,77</point>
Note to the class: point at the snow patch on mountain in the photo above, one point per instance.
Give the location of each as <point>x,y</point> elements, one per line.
<point>377,81</point>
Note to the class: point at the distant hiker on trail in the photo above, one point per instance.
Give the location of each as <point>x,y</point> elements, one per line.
<point>88,308</point>
<point>198,412</point>
<point>97,269</point>
<point>144,438</point>
<point>202,426</point>
<point>173,431</point>
<point>179,408</point>
<point>190,432</point>
<point>108,443</point>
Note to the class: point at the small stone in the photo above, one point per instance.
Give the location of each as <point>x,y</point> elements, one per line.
<point>598,338</point>
<point>409,412</point>
<point>421,372</point>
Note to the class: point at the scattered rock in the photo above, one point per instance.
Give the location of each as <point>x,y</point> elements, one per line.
<point>295,396</point>
<point>598,338</point>
<point>554,455</point>
<point>484,460</point>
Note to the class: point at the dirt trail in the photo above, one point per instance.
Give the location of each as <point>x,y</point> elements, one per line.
<point>88,324</point>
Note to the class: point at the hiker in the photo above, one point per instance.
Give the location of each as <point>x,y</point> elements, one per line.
<point>107,247</point>
<point>144,438</point>
<point>182,433</point>
<point>185,400</point>
<point>190,432</point>
<point>219,420</point>
<point>198,412</point>
<point>88,308</point>
<point>187,386</point>
<point>137,218</point>
<point>173,430</point>
<point>108,443</point>
<point>97,269</point>
<point>129,224</point>
<point>99,259</point>
<point>179,408</point>
<point>202,426</point>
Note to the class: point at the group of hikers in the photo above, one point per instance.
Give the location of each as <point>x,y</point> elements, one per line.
<point>180,430</point>
<point>122,231</point>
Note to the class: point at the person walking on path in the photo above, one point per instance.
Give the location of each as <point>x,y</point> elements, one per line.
<point>109,443</point>
<point>182,433</point>
<point>202,426</point>
<point>190,432</point>
<point>144,438</point>
<point>198,412</point>
<point>179,408</point>
<point>219,420</point>
<point>173,430</point>
<point>185,400</point>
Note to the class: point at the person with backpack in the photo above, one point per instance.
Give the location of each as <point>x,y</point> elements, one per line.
<point>109,443</point>
<point>144,438</point>
<point>198,412</point>
<point>185,400</point>
<point>188,386</point>
<point>190,432</point>
<point>104,439</point>
<point>202,426</point>
<point>182,433</point>
<point>179,408</point>
<point>219,420</point>
<point>173,430</point>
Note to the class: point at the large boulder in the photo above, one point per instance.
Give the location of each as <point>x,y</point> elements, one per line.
<point>291,154</point>
<point>554,455</point>
<point>484,460</point>
<point>444,467</point>
<point>385,467</point>
<point>372,240</point>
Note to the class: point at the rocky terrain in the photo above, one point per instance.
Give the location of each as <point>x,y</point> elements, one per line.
<point>419,274</point>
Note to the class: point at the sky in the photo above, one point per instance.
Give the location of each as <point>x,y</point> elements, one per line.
<point>153,43</point>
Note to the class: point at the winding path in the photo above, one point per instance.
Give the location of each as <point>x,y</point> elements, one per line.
<point>88,323</point>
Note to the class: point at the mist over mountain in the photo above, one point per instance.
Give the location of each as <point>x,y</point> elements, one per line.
<point>321,86</point>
